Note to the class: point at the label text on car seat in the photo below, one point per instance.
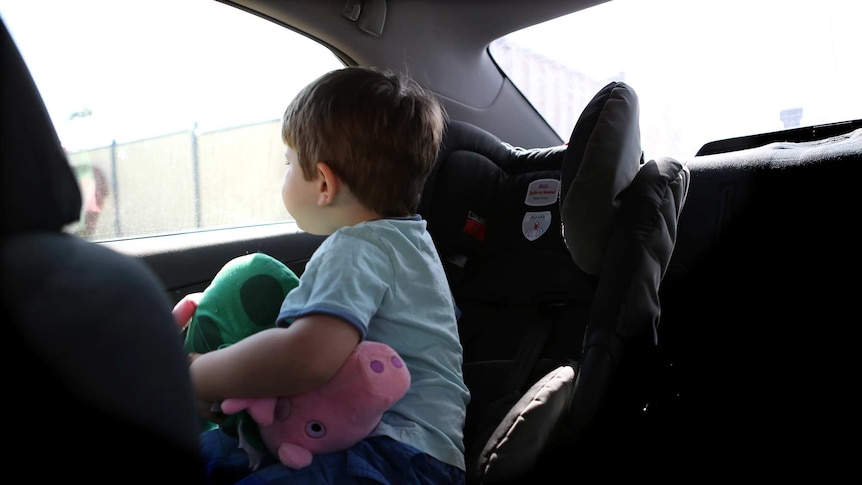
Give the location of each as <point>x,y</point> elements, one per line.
<point>542,192</point>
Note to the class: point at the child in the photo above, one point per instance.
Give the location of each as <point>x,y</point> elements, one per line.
<point>359,145</point>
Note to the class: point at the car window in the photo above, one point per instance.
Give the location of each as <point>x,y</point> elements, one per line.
<point>171,122</point>
<point>696,71</point>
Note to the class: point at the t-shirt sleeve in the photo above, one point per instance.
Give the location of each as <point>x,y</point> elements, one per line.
<point>347,278</point>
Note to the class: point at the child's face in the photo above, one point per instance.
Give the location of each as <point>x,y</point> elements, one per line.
<point>300,196</point>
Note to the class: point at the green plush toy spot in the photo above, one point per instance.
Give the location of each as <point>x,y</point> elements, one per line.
<point>257,289</point>
<point>203,336</point>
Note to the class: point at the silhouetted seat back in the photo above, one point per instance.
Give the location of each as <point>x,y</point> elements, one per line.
<point>99,382</point>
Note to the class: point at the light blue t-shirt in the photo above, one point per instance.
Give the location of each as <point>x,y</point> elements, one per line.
<point>386,278</point>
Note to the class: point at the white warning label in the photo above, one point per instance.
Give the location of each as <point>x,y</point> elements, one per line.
<point>542,192</point>
<point>535,224</point>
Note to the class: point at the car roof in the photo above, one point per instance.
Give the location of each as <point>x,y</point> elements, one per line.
<point>461,71</point>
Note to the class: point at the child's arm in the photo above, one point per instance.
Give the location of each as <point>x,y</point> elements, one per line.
<point>277,361</point>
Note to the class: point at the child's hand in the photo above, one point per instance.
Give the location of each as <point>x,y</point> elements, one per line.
<point>184,310</point>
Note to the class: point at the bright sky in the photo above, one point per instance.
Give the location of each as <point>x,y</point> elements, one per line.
<point>655,52</point>
<point>163,62</point>
<point>676,60</point>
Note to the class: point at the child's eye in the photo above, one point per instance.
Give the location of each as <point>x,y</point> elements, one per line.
<point>287,162</point>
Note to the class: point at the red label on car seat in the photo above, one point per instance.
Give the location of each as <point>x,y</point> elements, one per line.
<point>475,226</point>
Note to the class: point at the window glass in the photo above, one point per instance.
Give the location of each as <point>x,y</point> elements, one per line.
<point>703,71</point>
<point>169,110</point>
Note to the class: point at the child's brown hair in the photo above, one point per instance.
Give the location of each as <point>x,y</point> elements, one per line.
<point>379,131</point>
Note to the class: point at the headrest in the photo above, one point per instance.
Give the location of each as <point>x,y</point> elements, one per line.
<point>39,190</point>
<point>486,201</point>
<point>603,156</point>
<point>486,179</point>
<point>478,155</point>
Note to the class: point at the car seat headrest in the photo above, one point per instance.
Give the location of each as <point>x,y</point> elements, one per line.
<point>487,201</point>
<point>602,159</point>
<point>39,189</point>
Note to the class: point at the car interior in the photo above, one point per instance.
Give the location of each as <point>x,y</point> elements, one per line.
<point>624,314</point>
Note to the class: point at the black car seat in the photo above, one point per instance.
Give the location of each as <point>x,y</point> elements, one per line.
<point>545,319</point>
<point>493,212</point>
<point>94,358</point>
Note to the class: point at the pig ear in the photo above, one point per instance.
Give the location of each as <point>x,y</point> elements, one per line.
<point>263,410</point>
<point>234,405</point>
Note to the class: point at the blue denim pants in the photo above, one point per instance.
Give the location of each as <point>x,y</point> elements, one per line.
<point>375,460</point>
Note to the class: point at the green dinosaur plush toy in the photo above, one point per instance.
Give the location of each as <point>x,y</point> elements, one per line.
<point>244,298</point>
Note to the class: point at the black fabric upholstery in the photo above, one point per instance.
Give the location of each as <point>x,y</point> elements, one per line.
<point>626,309</point>
<point>636,239</point>
<point>499,276</point>
<point>758,298</point>
<point>509,288</point>
<point>97,365</point>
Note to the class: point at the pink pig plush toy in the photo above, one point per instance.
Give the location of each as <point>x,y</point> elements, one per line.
<point>244,298</point>
<point>334,416</point>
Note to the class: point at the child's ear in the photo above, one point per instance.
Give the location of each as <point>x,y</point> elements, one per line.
<point>328,184</point>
